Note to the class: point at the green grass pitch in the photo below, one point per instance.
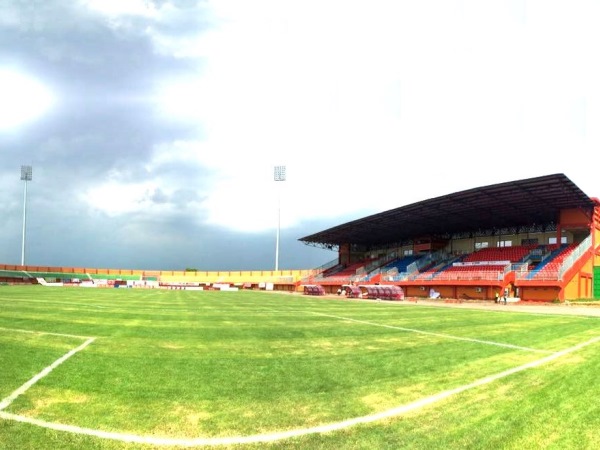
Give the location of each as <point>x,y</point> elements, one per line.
<point>142,369</point>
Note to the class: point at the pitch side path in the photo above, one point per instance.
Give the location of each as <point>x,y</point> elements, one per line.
<point>531,308</point>
<point>571,309</point>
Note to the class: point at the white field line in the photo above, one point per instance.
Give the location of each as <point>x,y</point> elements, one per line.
<point>8,400</point>
<point>413,330</point>
<point>28,300</point>
<point>18,330</point>
<point>430,333</point>
<point>271,437</point>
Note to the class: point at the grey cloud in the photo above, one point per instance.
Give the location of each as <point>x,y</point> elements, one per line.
<point>105,115</point>
<point>158,196</point>
<point>148,244</point>
<point>105,124</point>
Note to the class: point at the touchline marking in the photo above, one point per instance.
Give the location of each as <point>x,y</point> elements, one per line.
<point>270,437</point>
<point>8,400</point>
<point>18,330</point>
<point>430,333</point>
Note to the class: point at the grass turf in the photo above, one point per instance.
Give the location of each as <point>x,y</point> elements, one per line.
<point>187,364</point>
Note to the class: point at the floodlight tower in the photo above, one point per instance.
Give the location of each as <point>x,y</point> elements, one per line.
<point>26,175</point>
<point>279,176</point>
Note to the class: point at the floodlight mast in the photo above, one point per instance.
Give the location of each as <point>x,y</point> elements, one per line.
<point>279,175</point>
<point>26,175</point>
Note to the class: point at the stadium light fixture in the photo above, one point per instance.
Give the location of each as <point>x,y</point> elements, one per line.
<point>26,175</point>
<point>279,175</point>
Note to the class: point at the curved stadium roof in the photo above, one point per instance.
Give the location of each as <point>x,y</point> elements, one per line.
<point>531,202</point>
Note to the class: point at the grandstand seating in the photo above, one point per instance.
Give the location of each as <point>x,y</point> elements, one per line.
<point>401,264</point>
<point>105,276</point>
<point>14,274</point>
<point>62,276</point>
<point>332,270</point>
<point>512,254</point>
<point>484,264</point>
<point>393,270</point>
<point>427,274</point>
<point>344,272</point>
<point>487,263</point>
<point>550,267</point>
<point>478,268</point>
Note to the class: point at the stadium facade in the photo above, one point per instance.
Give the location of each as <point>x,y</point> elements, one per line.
<point>535,239</point>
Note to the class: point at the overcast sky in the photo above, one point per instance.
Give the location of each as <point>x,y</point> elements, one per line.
<point>153,127</point>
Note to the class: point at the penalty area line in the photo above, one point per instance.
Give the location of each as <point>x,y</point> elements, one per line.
<point>21,390</point>
<point>442,335</point>
<point>271,437</point>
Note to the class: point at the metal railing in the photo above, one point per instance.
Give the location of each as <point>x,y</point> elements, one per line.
<point>584,246</point>
<point>545,274</point>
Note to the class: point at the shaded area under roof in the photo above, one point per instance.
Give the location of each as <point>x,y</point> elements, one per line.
<point>514,204</point>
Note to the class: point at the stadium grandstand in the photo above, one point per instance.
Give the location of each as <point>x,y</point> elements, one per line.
<point>535,239</point>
